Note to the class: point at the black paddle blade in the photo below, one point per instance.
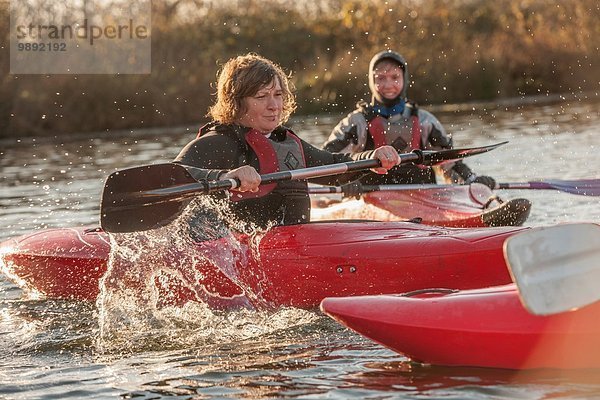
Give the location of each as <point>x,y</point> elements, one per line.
<point>444,156</point>
<point>129,204</point>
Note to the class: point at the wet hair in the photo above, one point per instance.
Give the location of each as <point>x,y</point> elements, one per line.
<point>243,76</point>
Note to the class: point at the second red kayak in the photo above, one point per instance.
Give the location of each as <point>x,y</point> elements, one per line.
<point>460,206</point>
<point>476,328</point>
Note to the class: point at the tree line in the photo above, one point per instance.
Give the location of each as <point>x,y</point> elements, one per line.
<point>457,51</point>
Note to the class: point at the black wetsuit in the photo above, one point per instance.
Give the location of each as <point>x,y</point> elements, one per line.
<point>223,148</point>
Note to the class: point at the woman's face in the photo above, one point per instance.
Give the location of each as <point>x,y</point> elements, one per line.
<point>389,80</point>
<point>263,110</point>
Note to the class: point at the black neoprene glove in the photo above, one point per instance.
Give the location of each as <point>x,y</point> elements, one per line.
<point>352,189</point>
<point>486,180</point>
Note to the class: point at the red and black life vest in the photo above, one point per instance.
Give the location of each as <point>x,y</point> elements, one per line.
<point>377,131</point>
<point>272,157</point>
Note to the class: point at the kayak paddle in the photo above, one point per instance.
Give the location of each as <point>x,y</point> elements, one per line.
<point>151,196</point>
<point>556,268</point>
<point>583,187</point>
<point>375,188</point>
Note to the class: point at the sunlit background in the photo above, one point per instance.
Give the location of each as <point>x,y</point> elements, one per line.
<point>523,71</point>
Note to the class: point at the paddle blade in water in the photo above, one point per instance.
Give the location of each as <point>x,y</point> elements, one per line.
<point>557,268</point>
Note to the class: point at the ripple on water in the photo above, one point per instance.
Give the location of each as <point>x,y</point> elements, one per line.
<point>53,349</point>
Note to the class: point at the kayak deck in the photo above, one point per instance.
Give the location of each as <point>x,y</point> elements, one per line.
<point>460,206</point>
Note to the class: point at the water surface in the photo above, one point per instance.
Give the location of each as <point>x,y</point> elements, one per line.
<point>50,349</point>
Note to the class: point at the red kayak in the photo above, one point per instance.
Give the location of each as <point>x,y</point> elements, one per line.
<point>460,206</point>
<point>296,265</point>
<point>479,328</point>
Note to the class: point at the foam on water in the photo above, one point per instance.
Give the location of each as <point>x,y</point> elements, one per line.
<point>140,307</point>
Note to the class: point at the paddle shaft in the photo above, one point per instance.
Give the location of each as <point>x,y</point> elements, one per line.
<point>307,173</point>
<point>377,188</point>
<point>298,174</point>
<point>583,187</point>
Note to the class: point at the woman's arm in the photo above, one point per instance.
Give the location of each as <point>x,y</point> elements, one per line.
<point>317,157</point>
<point>213,154</point>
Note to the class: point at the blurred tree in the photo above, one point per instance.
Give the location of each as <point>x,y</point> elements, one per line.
<point>457,50</point>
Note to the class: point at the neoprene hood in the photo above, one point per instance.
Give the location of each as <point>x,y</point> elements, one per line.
<point>391,55</point>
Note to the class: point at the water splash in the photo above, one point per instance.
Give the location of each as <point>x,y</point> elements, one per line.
<point>176,285</point>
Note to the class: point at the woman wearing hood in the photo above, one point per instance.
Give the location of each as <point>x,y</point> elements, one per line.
<point>390,119</point>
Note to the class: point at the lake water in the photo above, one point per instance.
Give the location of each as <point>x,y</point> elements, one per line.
<point>51,349</point>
